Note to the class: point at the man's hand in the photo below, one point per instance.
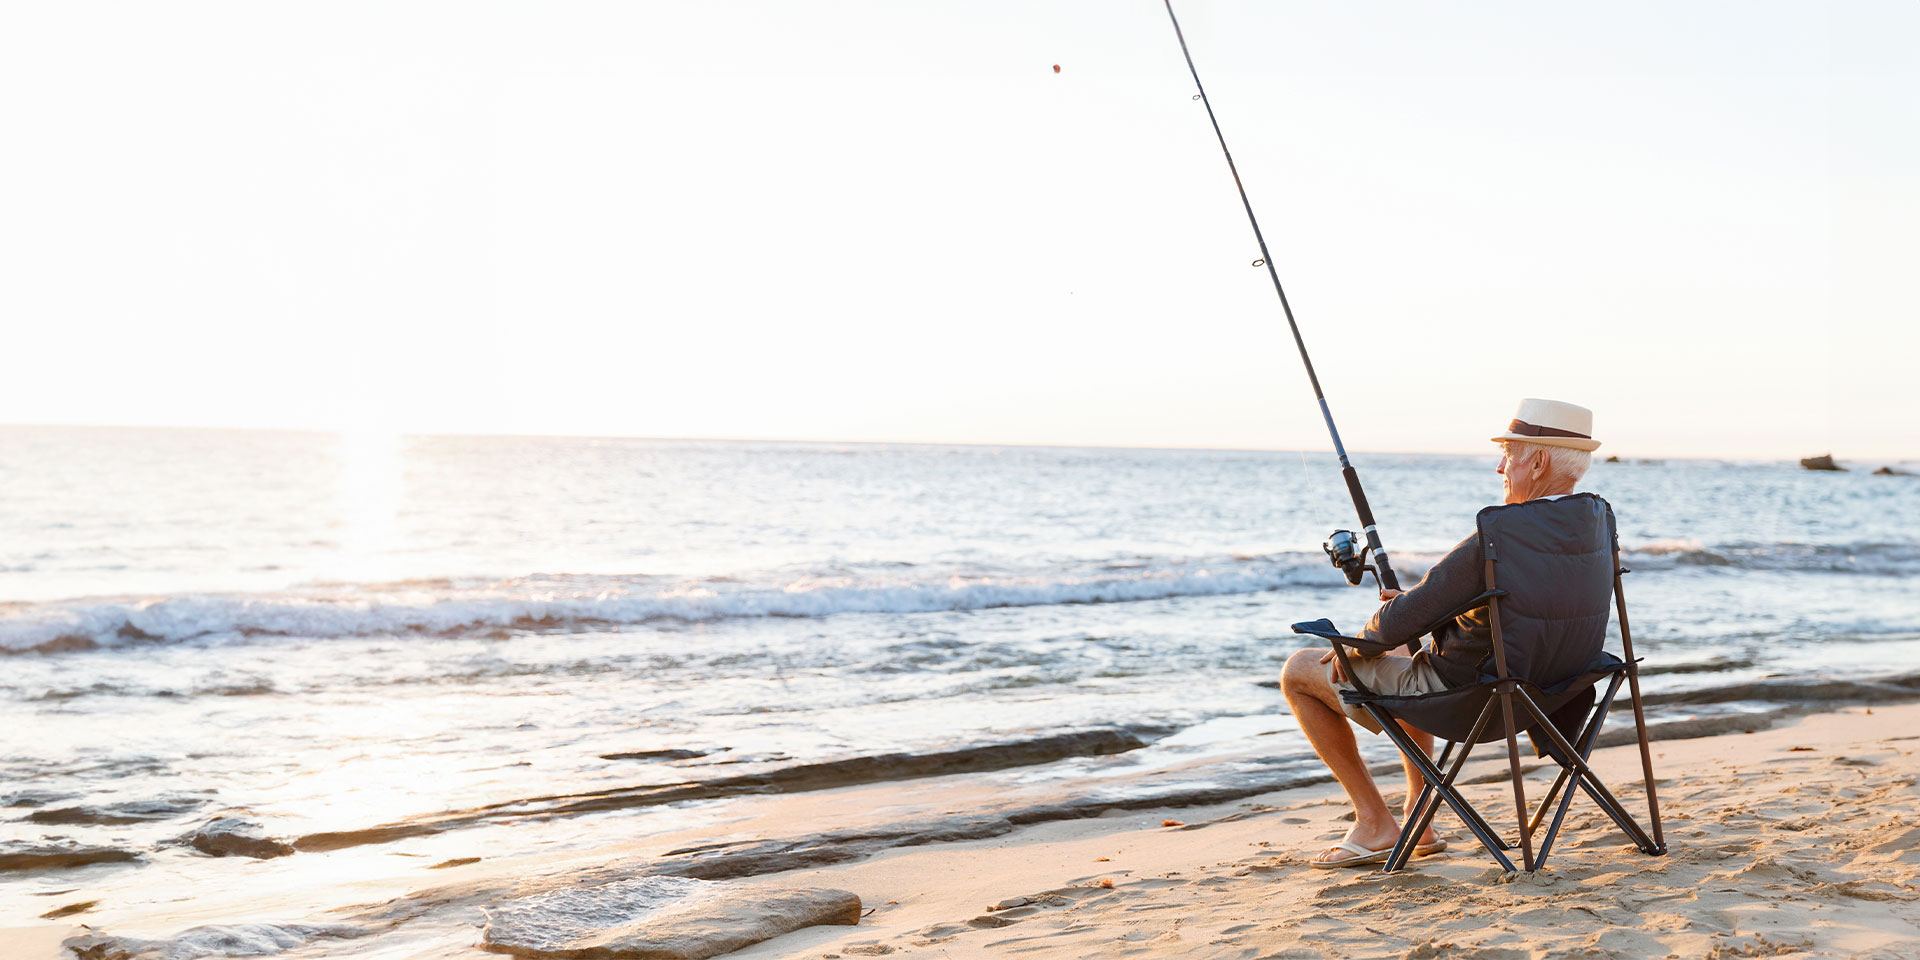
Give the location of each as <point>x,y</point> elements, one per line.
<point>1386,594</point>
<point>1339,676</point>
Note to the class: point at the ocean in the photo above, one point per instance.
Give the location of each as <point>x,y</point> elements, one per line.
<point>331,633</point>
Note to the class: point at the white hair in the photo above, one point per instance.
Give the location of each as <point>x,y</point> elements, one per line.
<point>1564,463</point>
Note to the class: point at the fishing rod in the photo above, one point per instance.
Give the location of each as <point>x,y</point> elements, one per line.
<point>1341,546</point>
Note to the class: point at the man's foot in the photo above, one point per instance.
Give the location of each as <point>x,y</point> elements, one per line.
<point>1373,846</point>
<point>1344,854</point>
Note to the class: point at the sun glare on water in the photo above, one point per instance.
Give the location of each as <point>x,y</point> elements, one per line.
<point>368,499</point>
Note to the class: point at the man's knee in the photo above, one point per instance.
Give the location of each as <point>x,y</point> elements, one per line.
<point>1303,671</point>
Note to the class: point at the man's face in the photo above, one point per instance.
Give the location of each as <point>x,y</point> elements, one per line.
<point>1516,474</point>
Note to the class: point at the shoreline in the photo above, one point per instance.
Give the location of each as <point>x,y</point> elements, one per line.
<point>1163,774</point>
<point>1761,817</point>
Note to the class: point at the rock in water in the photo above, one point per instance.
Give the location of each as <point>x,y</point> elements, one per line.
<point>58,855</point>
<point>655,755</point>
<point>1891,472</point>
<point>660,918</point>
<point>1821,462</point>
<point>111,814</point>
<point>237,940</point>
<point>234,837</point>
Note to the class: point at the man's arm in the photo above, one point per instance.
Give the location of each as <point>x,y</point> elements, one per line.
<point>1453,581</point>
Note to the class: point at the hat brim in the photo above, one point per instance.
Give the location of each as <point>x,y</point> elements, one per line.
<point>1572,443</point>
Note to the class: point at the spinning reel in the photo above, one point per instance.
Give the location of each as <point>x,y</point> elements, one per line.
<point>1345,549</point>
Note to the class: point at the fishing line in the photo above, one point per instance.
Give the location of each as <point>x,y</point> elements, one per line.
<point>1385,570</point>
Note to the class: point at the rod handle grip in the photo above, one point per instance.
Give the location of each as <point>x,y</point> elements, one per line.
<point>1384,568</point>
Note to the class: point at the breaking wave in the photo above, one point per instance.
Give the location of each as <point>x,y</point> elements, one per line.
<point>1871,559</point>
<point>573,602</point>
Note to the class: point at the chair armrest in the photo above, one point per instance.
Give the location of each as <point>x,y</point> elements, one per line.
<point>1325,630</point>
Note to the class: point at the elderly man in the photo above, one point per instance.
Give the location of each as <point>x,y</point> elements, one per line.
<point>1546,450</point>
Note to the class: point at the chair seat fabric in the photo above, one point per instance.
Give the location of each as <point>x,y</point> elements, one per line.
<point>1450,714</point>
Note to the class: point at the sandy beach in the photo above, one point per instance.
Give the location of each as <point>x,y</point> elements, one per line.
<point>1799,839</point>
<point>1803,839</point>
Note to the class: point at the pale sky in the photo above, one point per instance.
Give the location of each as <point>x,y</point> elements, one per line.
<point>893,220</point>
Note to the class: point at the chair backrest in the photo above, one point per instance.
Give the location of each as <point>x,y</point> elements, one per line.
<point>1555,559</point>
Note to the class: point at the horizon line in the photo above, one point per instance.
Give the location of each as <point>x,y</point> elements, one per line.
<point>895,443</point>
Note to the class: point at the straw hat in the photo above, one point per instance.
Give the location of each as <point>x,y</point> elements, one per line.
<point>1551,423</point>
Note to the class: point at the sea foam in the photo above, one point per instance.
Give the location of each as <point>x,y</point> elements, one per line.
<point>572,602</point>
<point>564,602</point>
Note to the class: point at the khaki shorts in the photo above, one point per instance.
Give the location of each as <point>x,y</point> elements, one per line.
<point>1389,676</point>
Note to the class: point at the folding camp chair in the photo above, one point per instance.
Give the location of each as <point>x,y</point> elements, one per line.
<point>1551,566</point>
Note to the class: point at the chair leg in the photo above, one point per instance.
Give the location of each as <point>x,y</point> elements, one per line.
<point>1519,787</point>
<point>1453,773</point>
<point>1621,818</point>
<point>1553,793</point>
<point>1430,805</point>
<point>1403,844</point>
<point>1639,713</point>
<point>1646,762</point>
<point>1588,735</point>
<point>1589,781</point>
<point>1553,829</point>
<point>1479,727</point>
<point>1442,784</point>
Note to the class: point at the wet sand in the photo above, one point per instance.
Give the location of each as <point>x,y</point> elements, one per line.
<point>1802,838</point>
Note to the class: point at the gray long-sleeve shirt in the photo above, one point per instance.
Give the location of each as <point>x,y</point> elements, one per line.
<point>1460,644</point>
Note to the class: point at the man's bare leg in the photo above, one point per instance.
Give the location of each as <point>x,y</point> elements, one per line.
<point>1315,704</point>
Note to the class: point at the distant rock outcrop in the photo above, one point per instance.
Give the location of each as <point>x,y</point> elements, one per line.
<point>1821,462</point>
<point>1891,472</point>
<point>670,918</point>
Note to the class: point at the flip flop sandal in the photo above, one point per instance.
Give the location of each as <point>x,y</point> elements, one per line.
<point>1360,856</point>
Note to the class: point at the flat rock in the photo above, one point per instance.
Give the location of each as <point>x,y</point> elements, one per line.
<point>129,811</point>
<point>59,855</point>
<point>659,918</point>
<point>234,837</point>
<point>224,940</point>
<point>655,755</point>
